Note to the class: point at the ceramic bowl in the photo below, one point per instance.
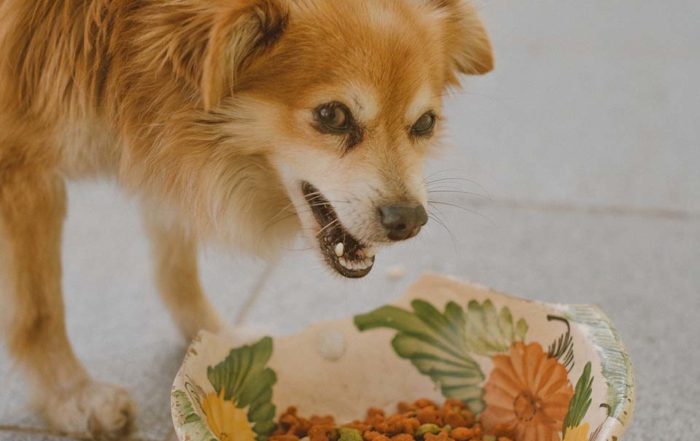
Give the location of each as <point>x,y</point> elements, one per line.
<point>540,372</point>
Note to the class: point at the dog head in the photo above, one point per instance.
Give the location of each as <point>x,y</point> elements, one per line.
<point>344,99</point>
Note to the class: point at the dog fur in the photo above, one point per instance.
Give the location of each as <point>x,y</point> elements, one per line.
<point>202,109</point>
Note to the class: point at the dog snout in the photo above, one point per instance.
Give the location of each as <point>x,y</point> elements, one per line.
<point>403,221</point>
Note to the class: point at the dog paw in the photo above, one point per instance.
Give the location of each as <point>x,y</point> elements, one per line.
<point>103,411</point>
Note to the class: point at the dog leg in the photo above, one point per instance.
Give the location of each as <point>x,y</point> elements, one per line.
<point>32,210</point>
<point>177,277</point>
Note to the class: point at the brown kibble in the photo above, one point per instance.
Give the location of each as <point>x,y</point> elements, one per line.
<point>410,425</point>
<point>375,418</point>
<point>469,417</point>
<point>454,419</point>
<point>291,424</point>
<point>422,420</point>
<point>323,432</point>
<point>442,436</point>
<point>425,403</point>
<point>462,434</point>
<point>397,424</point>
<point>405,406</point>
<point>452,403</point>
<point>374,436</point>
<point>374,412</point>
<point>322,420</point>
<point>359,425</point>
<point>386,428</point>
<point>289,417</point>
<point>370,435</point>
<point>302,427</point>
<point>391,428</point>
<point>427,415</point>
<point>283,437</point>
<point>300,430</point>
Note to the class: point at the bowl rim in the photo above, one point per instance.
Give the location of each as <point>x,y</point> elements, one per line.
<point>590,320</point>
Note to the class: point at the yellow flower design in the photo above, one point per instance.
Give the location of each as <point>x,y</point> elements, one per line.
<point>225,420</point>
<point>579,433</point>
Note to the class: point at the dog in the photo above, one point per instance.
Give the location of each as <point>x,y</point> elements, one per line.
<point>242,122</point>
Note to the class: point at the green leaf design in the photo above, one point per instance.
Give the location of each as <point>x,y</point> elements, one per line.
<point>581,401</point>
<point>563,348</point>
<point>244,378</point>
<point>189,417</point>
<point>489,331</point>
<point>440,344</point>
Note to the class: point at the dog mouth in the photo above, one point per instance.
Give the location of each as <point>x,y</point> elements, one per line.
<point>347,255</point>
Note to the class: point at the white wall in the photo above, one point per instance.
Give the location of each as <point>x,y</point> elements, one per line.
<point>592,103</point>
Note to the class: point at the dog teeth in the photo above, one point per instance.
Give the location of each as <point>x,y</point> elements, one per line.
<point>355,265</point>
<point>365,253</point>
<point>339,249</point>
<point>363,265</point>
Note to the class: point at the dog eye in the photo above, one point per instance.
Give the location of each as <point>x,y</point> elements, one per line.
<point>425,125</point>
<point>333,117</point>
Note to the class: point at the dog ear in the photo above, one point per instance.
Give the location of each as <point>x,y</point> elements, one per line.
<point>241,32</point>
<point>465,38</point>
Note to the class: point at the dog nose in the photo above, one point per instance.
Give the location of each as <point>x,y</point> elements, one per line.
<point>403,221</point>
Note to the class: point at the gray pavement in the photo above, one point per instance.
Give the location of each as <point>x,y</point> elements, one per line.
<point>586,140</point>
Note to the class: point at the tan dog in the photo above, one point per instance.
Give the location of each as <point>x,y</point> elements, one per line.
<point>239,121</point>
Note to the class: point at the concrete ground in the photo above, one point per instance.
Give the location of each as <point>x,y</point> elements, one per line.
<point>585,140</point>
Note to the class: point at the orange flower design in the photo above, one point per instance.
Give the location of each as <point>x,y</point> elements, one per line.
<point>527,395</point>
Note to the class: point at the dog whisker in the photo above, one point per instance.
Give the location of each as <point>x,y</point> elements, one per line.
<point>448,179</point>
<point>329,226</point>
<point>468,193</point>
<point>429,182</point>
<point>465,209</point>
<point>453,239</point>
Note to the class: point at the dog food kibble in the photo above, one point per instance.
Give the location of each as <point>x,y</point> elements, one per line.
<point>428,428</point>
<point>349,434</point>
<point>423,420</point>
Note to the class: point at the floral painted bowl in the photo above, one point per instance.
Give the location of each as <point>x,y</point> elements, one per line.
<point>533,371</point>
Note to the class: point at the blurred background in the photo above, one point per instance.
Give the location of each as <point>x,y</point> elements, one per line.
<point>571,174</point>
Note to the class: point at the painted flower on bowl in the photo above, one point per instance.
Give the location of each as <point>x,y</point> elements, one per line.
<point>239,406</point>
<point>527,395</point>
<point>225,420</point>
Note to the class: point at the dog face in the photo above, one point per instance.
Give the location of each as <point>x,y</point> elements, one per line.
<point>348,95</point>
